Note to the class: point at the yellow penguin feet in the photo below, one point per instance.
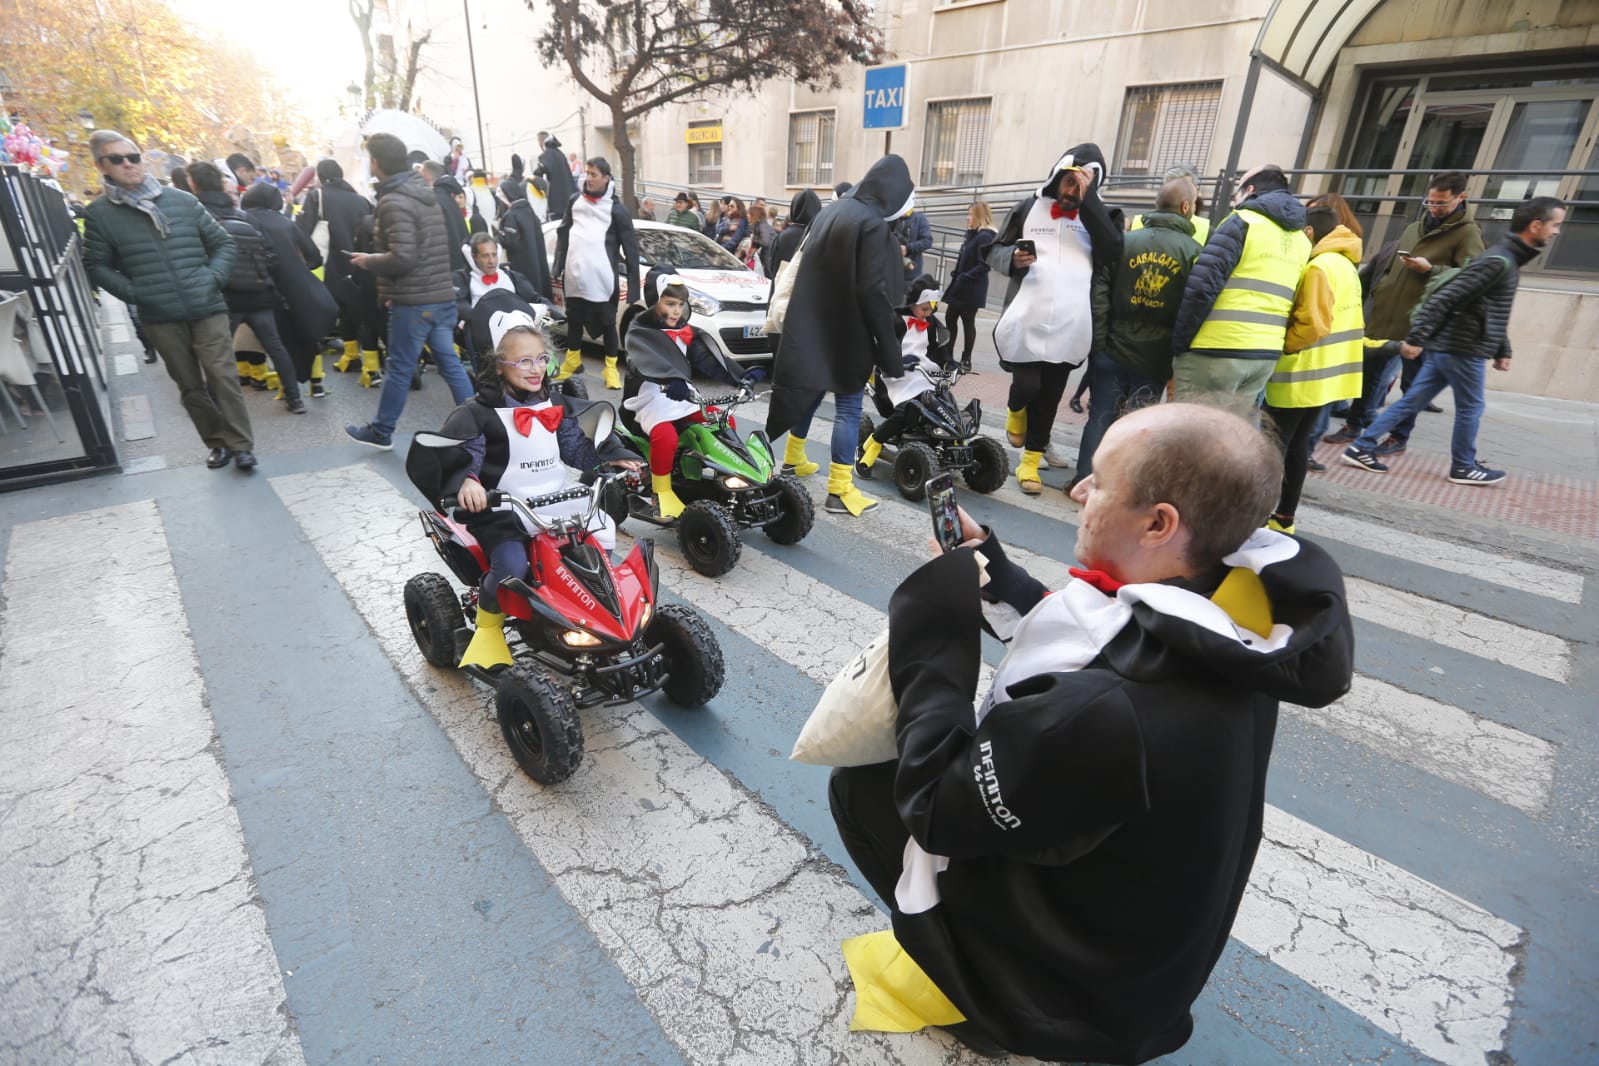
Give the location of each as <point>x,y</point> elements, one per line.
<point>842,495</point>
<point>1027,473</point>
<point>666,500</point>
<point>794,460</point>
<point>488,648</point>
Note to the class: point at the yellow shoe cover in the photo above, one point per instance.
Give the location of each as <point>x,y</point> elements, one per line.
<point>316,367</point>
<point>351,356</point>
<point>1027,473</point>
<point>275,382</point>
<point>892,993</point>
<point>572,364</point>
<point>1016,427</point>
<point>371,372</point>
<point>794,456</point>
<point>665,499</point>
<point>613,380</point>
<point>488,647</point>
<point>870,451</point>
<point>842,485</point>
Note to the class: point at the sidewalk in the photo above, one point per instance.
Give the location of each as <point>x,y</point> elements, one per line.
<point>1549,448</point>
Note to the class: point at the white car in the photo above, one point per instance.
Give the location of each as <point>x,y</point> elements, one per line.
<point>728,298</point>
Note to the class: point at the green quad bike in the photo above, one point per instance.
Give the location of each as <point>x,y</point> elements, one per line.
<point>726,483</point>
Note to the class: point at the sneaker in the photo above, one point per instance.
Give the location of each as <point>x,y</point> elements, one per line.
<point>296,406</point>
<point>317,391</point>
<point>1053,457</point>
<point>1315,466</point>
<point>1364,459</point>
<point>863,470</point>
<point>1391,446</point>
<point>370,437</point>
<point>1345,435</point>
<point>1433,409</point>
<point>1476,474</point>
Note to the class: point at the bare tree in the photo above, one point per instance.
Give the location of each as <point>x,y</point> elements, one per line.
<point>634,56</point>
<point>387,83</point>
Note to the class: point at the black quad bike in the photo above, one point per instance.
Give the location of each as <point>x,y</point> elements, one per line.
<point>941,435</point>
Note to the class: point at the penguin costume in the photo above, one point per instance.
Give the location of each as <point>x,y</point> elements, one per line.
<point>924,344</point>
<point>663,352</point>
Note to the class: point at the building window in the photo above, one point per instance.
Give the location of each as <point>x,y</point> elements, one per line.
<point>810,147</point>
<point>705,152</point>
<point>1167,125</point>
<point>956,149</point>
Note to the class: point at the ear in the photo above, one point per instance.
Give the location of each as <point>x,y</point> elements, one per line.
<point>1163,527</point>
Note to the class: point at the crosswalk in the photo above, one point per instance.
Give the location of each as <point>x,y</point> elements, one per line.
<point>700,865</point>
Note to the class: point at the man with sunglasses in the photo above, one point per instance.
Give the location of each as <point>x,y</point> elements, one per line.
<point>159,251</point>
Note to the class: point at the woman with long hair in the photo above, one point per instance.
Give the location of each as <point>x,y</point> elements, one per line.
<point>967,291</point>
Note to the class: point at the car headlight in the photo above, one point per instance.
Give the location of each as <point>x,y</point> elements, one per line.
<point>735,482</point>
<point>704,304</point>
<point>576,638</point>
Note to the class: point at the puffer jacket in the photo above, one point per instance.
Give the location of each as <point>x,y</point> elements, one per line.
<point>1455,242</point>
<point>1220,257</point>
<point>1146,289</point>
<point>178,278</point>
<point>412,264</point>
<point>1471,314</point>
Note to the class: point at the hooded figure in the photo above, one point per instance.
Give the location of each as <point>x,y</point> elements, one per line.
<point>445,190</point>
<point>522,235</point>
<point>512,188</point>
<point>553,169</point>
<point>840,321</point>
<point>801,213</point>
<point>311,310</point>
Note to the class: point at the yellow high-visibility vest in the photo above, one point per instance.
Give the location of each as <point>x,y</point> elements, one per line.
<point>1330,369</point>
<point>1201,227</point>
<point>1252,310</point>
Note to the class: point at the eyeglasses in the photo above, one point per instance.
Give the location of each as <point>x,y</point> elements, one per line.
<point>1438,203</point>
<point>117,160</point>
<point>526,366</point>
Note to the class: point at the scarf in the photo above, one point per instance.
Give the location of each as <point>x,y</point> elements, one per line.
<point>141,199</point>
<point>1429,223</point>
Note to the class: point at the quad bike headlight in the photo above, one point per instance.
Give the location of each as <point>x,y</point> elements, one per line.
<point>644,618</point>
<point>733,481</point>
<point>576,638</point>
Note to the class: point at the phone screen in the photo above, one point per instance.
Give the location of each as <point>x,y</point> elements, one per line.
<point>941,502</point>
<point>1027,247</point>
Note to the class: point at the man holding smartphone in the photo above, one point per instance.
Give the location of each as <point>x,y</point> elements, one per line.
<point>1444,236</point>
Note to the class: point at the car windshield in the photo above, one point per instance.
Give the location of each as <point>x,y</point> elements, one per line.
<point>684,248</point>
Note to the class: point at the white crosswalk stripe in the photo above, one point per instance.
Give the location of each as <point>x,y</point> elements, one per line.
<point>129,926</point>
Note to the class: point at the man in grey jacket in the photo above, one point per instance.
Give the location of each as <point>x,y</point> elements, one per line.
<point>412,267</point>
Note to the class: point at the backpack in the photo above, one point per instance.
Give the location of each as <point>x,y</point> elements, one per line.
<point>252,269</point>
<point>1441,279</point>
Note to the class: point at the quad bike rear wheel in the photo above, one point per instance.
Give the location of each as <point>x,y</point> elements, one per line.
<point>914,464</point>
<point>540,724</point>
<point>799,513</point>
<point>709,538</point>
<point>693,657</point>
<point>574,387</point>
<point>435,614</point>
<point>990,467</point>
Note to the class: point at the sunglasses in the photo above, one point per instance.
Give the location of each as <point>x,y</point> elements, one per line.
<point>117,160</point>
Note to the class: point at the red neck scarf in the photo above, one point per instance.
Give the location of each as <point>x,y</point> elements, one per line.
<point>912,322</point>
<point>1097,578</point>
<point>548,417</point>
<point>684,335</point>
<point>1057,211</point>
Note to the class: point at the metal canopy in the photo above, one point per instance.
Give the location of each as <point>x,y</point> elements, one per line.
<point>1300,39</point>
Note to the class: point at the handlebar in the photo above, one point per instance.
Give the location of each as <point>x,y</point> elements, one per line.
<point>743,395</point>
<point>528,507</point>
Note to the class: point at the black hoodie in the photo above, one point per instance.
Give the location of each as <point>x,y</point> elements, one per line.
<point>801,213</point>
<point>840,320</point>
<point>553,169</point>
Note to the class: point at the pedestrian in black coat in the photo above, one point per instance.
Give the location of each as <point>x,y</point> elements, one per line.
<point>310,310</point>
<point>967,291</point>
<point>553,169</point>
<point>522,236</point>
<point>452,202</point>
<point>802,211</point>
<point>839,326</point>
<point>337,203</point>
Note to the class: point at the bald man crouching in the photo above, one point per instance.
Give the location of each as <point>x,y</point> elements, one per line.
<point>1065,865</point>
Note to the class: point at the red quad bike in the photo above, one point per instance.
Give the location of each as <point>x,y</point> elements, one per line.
<point>595,623</point>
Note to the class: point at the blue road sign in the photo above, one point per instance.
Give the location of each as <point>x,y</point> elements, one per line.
<point>885,98</point>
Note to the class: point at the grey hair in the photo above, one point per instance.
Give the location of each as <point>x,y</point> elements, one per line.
<point>101,139</point>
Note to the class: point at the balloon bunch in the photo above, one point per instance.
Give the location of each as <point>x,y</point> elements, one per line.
<point>22,146</point>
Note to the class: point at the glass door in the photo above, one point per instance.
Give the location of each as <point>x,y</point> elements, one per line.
<point>1539,133</point>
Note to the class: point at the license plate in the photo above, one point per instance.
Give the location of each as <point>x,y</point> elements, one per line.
<point>754,332</point>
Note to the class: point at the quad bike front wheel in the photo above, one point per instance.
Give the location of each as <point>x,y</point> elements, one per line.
<point>693,657</point>
<point>798,515</point>
<point>914,464</point>
<point>540,724</point>
<point>435,614</point>
<point>574,387</point>
<point>990,467</point>
<point>709,538</point>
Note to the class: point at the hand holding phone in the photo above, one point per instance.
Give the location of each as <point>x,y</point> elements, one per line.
<point>941,504</point>
<point>1027,247</point>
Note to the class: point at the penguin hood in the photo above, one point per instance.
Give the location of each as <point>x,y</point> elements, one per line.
<point>1088,157</point>
<point>887,187</point>
<point>805,206</point>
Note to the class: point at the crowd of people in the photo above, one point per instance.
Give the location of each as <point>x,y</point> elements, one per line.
<point>1063,867</point>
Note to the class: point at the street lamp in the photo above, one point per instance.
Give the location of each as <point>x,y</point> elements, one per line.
<point>85,119</point>
<point>354,92</point>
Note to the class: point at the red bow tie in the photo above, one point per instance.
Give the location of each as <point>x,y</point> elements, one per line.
<point>1097,578</point>
<point>549,418</point>
<point>684,335</point>
<point>1057,211</point>
<point>492,279</point>
<point>912,322</point>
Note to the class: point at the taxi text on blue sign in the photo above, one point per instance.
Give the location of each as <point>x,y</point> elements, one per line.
<point>885,98</point>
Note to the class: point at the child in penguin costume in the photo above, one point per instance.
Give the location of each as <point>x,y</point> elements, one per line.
<point>923,342</point>
<point>515,436</point>
<point>1052,317</point>
<point>663,351</point>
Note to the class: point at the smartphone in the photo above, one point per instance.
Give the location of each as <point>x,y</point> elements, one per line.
<point>941,502</point>
<point>1401,253</point>
<point>1029,248</point>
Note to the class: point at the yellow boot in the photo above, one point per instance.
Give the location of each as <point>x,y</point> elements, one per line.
<point>371,372</point>
<point>794,460</point>
<point>351,356</point>
<point>274,383</point>
<point>869,453</point>
<point>613,380</point>
<point>666,500</point>
<point>572,364</point>
<point>842,495</point>
<point>1027,473</point>
<point>1016,427</point>
<point>243,366</point>
<point>488,648</point>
